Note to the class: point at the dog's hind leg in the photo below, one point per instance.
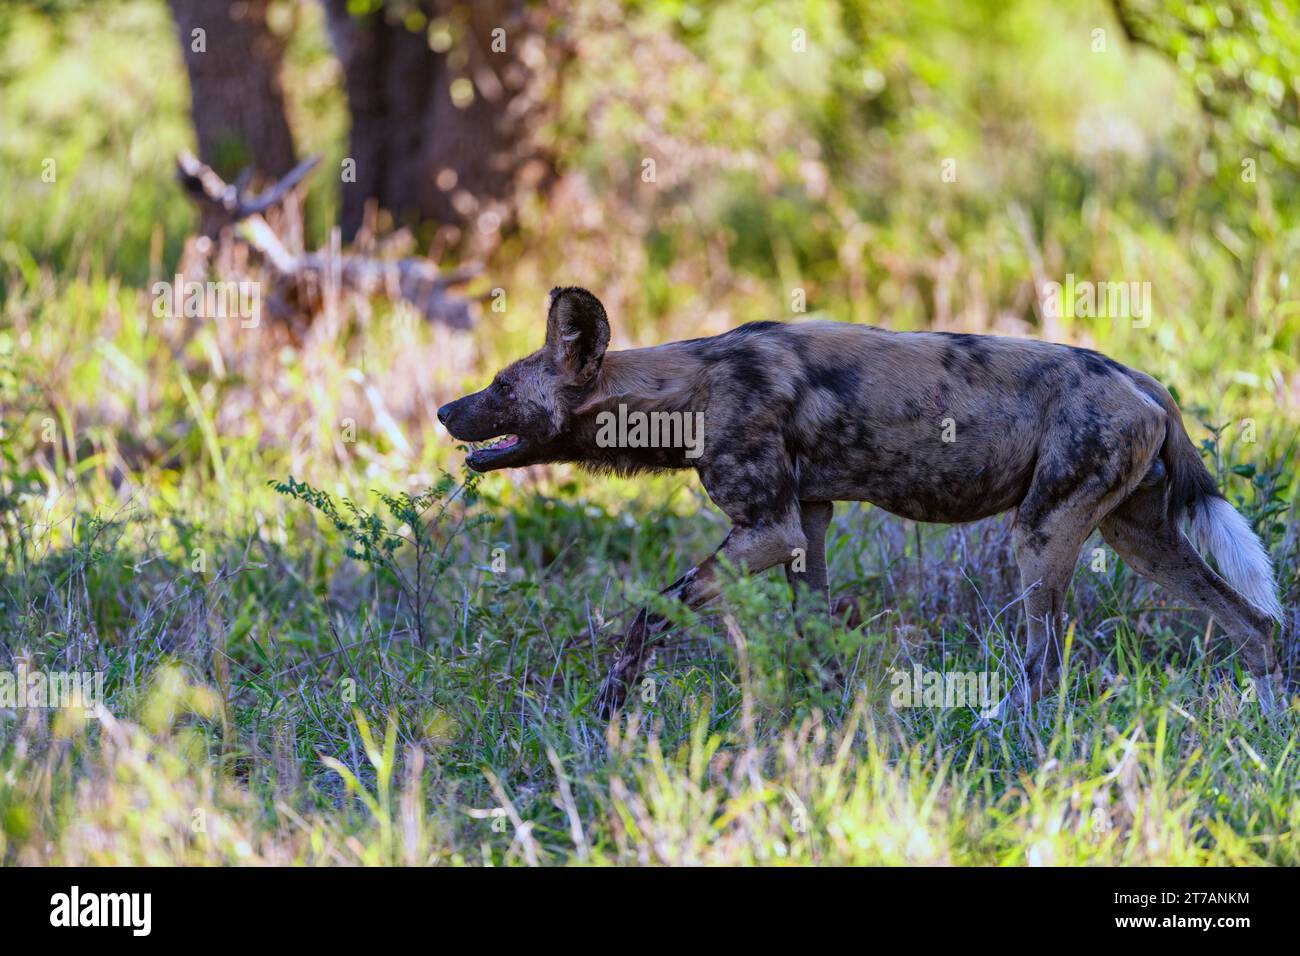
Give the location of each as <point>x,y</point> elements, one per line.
<point>1142,533</point>
<point>806,571</point>
<point>1080,477</point>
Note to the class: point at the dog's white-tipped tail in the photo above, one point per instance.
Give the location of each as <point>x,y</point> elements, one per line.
<point>1222,530</point>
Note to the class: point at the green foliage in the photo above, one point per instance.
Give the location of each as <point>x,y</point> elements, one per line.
<point>257,635</point>
<point>19,481</point>
<point>1271,486</point>
<point>374,540</point>
<point>1242,59</point>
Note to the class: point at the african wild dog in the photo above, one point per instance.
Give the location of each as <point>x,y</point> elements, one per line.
<point>799,416</point>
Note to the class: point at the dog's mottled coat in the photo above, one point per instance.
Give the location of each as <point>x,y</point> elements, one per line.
<point>930,426</point>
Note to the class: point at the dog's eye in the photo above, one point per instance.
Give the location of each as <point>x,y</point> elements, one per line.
<point>506,388</point>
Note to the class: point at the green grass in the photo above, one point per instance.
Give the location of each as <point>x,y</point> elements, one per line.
<point>278,706</point>
<point>272,699</point>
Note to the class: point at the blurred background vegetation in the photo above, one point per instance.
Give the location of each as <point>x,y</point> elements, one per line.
<point>909,163</point>
<point>794,146</point>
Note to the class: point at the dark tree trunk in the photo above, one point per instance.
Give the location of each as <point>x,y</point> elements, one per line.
<point>236,100</point>
<point>417,153</point>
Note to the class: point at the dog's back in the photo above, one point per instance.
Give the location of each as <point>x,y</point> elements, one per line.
<point>931,426</point>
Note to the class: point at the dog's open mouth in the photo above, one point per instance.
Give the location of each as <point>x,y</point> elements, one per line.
<point>496,444</point>
<point>484,453</point>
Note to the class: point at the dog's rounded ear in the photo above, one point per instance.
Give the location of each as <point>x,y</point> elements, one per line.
<point>577,333</point>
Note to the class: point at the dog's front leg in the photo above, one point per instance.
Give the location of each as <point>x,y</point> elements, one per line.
<point>751,549</point>
<point>806,570</point>
<point>640,638</point>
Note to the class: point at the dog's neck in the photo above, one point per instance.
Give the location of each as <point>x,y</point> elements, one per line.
<point>662,378</point>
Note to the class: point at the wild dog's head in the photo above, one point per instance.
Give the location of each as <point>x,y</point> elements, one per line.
<point>526,413</point>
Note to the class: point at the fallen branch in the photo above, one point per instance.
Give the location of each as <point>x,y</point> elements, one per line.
<point>203,184</point>
<point>300,278</point>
